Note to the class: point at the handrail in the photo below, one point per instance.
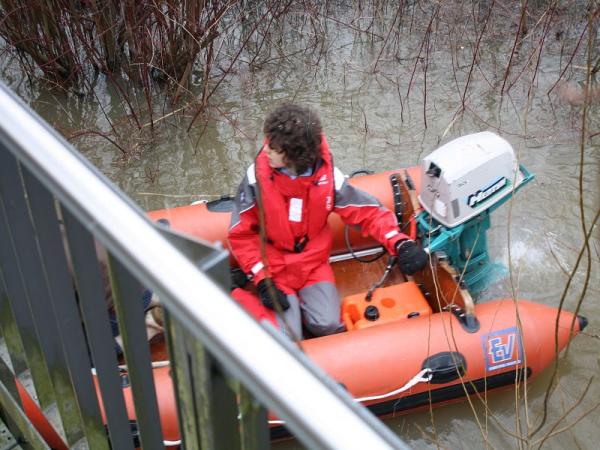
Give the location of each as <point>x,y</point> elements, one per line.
<point>314,408</point>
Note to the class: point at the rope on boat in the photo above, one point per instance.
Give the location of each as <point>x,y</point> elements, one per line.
<point>123,367</point>
<point>154,364</point>
<point>424,376</point>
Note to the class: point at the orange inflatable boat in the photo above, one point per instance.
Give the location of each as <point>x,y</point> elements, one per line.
<point>420,341</point>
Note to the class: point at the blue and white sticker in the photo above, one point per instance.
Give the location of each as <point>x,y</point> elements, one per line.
<point>485,193</point>
<point>502,348</point>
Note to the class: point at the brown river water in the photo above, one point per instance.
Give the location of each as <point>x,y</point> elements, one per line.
<point>360,93</point>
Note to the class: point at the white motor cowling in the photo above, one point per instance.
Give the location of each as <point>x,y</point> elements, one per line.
<point>467,176</point>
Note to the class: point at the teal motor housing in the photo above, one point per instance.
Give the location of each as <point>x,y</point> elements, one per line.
<point>462,183</point>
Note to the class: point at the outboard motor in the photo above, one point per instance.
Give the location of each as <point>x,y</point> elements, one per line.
<point>462,182</point>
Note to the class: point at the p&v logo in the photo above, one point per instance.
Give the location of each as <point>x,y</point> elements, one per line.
<point>502,348</point>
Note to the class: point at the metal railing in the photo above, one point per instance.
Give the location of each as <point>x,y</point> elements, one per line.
<point>226,368</point>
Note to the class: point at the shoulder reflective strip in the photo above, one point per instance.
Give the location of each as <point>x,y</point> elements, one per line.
<point>250,173</point>
<point>257,267</point>
<point>248,208</point>
<point>391,234</point>
<point>233,225</point>
<point>338,178</point>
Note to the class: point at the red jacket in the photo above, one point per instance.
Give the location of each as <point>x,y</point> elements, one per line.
<point>295,212</point>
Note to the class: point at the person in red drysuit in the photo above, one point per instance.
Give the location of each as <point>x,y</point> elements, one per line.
<point>294,182</point>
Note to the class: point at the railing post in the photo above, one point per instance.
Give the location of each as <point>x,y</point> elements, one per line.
<point>16,297</point>
<point>38,293</point>
<point>8,325</point>
<point>218,411</point>
<point>94,313</point>
<point>63,303</point>
<point>207,397</point>
<point>253,422</point>
<point>127,294</point>
<point>183,384</point>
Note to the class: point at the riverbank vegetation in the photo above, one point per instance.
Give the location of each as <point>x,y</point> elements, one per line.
<point>166,57</point>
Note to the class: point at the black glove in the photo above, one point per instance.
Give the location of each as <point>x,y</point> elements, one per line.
<point>267,290</point>
<point>411,258</point>
<point>238,278</point>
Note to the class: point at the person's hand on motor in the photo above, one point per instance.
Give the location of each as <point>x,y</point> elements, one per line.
<point>268,292</point>
<point>411,257</point>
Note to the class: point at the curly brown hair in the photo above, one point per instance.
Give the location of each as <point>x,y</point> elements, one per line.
<point>296,132</point>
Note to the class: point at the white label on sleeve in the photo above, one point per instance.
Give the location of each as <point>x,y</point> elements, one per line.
<point>391,234</point>
<point>295,210</point>
<point>257,267</point>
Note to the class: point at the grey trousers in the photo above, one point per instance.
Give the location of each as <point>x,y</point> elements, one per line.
<point>317,306</point>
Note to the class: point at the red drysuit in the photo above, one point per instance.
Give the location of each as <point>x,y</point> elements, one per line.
<point>295,212</point>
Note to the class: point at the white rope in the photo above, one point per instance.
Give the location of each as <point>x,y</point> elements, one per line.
<point>154,364</point>
<point>424,376</point>
<point>277,422</point>
<point>123,367</point>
